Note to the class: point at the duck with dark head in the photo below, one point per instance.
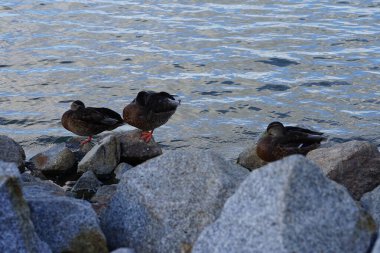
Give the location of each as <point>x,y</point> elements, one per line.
<point>150,110</point>
<point>279,141</point>
<point>89,121</point>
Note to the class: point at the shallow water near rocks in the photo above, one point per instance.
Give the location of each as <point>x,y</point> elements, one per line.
<point>235,66</point>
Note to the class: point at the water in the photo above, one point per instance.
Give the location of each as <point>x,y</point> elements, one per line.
<point>236,66</point>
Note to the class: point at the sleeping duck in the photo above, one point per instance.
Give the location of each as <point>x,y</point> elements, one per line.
<point>89,121</point>
<point>279,141</point>
<point>150,110</point>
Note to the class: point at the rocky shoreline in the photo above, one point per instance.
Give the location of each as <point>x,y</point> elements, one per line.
<point>125,195</point>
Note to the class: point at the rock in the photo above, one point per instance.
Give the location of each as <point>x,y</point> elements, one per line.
<point>28,177</point>
<point>354,164</point>
<point>249,158</point>
<point>17,233</point>
<point>103,197</point>
<point>121,169</point>
<point>371,202</point>
<point>123,250</point>
<point>376,248</point>
<point>79,150</point>
<point>289,206</point>
<point>86,186</point>
<point>103,158</point>
<point>134,150</point>
<point>11,151</point>
<point>66,224</point>
<point>163,204</point>
<point>55,161</point>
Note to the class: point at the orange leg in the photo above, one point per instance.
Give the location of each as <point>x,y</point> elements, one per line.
<point>147,135</point>
<point>89,139</point>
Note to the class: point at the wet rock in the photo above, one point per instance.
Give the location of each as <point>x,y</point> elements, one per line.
<point>11,151</point>
<point>103,158</point>
<point>55,161</point>
<point>249,158</point>
<point>102,198</point>
<point>86,186</point>
<point>17,233</point>
<point>134,150</point>
<point>66,224</point>
<point>121,169</point>
<point>163,204</point>
<point>371,202</point>
<point>289,206</point>
<point>354,164</point>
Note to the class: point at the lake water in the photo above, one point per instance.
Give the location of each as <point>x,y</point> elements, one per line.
<point>236,66</point>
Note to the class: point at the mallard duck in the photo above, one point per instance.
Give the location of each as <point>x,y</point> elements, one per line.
<point>279,141</point>
<point>89,121</point>
<point>150,110</point>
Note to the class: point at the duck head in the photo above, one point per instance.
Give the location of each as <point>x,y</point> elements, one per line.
<point>76,105</point>
<point>276,129</point>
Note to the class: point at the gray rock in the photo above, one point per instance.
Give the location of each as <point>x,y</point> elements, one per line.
<point>121,169</point>
<point>103,158</point>
<point>79,150</point>
<point>249,158</point>
<point>11,151</point>
<point>17,233</point>
<point>27,177</point>
<point>102,198</point>
<point>289,206</point>
<point>54,161</point>
<point>66,224</point>
<point>134,150</point>
<point>376,248</point>
<point>124,250</point>
<point>87,185</point>
<point>354,164</point>
<point>371,202</point>
<point>163,204</point>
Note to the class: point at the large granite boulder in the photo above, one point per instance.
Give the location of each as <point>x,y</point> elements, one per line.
<point>11,151</point>
<point>249,158</point>
<point>163,204</point>
<point>17,233</point>
<point>354,164</point>
<point>103,158</point>
<point>56,160</point>
<point>134,150</point>
<point>289,206</point>
<point>65,223</point>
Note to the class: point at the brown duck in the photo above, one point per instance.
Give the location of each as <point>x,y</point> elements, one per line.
<point>89,121</point>
<point>279,141</point>
<point>150,110</point>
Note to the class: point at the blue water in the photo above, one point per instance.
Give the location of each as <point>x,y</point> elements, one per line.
<point>236,66</point>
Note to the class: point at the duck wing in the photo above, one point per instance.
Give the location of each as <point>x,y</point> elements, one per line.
<point>299,139</point>
<point>302,130</point>
<point>161,102</point>
<point>100,116</point>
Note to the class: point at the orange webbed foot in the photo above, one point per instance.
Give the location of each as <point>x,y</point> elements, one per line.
<point>147,135</point>
<point>89,139</point>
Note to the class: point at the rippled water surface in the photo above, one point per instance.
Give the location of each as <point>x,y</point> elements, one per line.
<point>236,65</point>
